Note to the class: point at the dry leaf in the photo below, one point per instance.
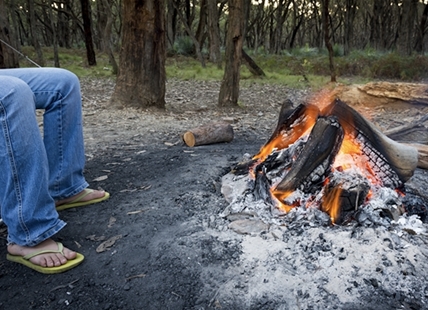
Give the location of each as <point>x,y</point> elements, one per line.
<point>135,212</point>
<point>95,238</point>
<point>101,178</point>
<point>141,275</point>
<point>111,222</point>
<point>107,244</point>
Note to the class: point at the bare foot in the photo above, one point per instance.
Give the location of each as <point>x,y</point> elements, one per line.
<point>94,195</point>
<point>46,259</point>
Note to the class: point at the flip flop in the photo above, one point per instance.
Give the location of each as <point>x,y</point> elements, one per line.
<point>77,202</point>
<point>25,260</point>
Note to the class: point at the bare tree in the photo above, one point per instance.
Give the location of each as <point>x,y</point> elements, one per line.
<point>33,33</point>
<point>8,58</point>
<point>407,27</point>
<point>419,46</point>
<point>325,6</point>
<point>105,23</point>
<point>229,90</point>
<point>141,79</point>
<point>87,21</point>
<point>213,32</point>
<point>190,33</point>
<point>54,34</point>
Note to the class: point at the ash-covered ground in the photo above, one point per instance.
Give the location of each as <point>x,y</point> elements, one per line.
<point>160,242</point>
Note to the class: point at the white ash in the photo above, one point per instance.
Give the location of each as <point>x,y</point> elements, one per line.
<point>383,208</point>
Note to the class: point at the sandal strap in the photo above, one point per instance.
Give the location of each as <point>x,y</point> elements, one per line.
<point>85,193</point>
<point>59,251</point>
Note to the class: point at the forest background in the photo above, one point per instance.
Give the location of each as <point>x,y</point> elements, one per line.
<point>301,43</point>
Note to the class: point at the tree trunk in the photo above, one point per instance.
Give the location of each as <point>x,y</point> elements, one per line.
<point>8,58</point>
<point>171,24</point>
<point>63,27</point>
<point>200,31</point>
<point>105,29</point>
<point>214,33</point>
<point>407,27</point>
<point>141,79</point>
<point>251,65</point>
<point>54,35</point>
<point>419,46</point>
<point>325,14</point>
<point>229,90</point>
<point>86,15</point>
<point>189,32</point>
<point>350,6</point>
<point>36,44</point>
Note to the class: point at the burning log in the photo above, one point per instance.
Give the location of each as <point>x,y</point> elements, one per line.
<point>211,133</point>
<point>309,172</point>
<point>402,158</point>
<point>330,158</point>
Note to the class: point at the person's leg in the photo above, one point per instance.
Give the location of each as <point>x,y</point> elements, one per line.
<point>27,208</point>
<point>57,91</point>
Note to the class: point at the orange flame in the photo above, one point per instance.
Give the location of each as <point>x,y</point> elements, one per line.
<point>280,197</point>
<point>350,154</point>
<point>331,203</point>
<point>284,139</point>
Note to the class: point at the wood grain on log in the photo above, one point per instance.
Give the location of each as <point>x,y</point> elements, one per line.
<point>422,154</point>
<point>383,93</point>
<point>208,134</point>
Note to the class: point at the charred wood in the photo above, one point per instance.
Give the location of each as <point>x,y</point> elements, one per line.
<point>309,171</point>
<point>403,159</point>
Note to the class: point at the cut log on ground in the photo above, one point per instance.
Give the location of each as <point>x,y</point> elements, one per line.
<point>208,134</point>
<point>383,93</point>
<point>422,154</point>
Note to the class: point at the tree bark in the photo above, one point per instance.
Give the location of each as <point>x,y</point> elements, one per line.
<point>422,30</point>
<point>407,27</point>
<point>251,65</point>
<point>141,79</point>
<point>350,6</point>
<point>8,58</point>
<point>214,33</point>
<point>229,90</point>
<point>200,31</point>
<point>87,20</point>
<point>35,42</point>
<point>54,36</point>
<point>105,29</point>
<point>325,4</point>
<point>171,24</point>
<point>211,133</point>
<point>195,42</point>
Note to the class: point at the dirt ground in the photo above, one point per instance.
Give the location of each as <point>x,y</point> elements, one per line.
<point>159,242</point>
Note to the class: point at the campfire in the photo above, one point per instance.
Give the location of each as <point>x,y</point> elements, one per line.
<point>324,156</point>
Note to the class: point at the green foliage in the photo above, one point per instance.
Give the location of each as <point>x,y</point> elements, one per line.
<point>71,59</point>
<point>300,68</point>
<point>183,46</point>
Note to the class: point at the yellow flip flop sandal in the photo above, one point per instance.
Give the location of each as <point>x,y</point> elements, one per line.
<point>77,202</point>
<point>25,260</point>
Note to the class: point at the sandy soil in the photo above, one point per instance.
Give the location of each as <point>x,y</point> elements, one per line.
<point>167,245</point>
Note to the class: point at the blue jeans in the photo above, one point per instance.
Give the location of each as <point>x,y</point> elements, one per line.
<point>37,170</point>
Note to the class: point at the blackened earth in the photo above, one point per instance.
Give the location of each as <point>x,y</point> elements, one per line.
<point>170,249</point>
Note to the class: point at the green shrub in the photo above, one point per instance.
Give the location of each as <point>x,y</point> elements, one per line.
<point>184,46</point>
